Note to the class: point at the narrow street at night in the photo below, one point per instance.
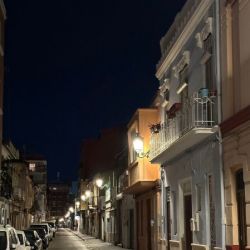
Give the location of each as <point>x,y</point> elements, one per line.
<point>68,240</point>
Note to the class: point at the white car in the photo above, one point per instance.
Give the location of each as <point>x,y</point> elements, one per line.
<point>9,239</point>
<point>25,245</point>
<point>44,226</point>
<point>52,225</point>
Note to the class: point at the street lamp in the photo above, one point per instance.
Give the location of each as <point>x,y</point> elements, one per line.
<point>99,182</point>
<point>77,204</point>
<point>138,146</point>
<point>88,193</point>
<point>83,197</point>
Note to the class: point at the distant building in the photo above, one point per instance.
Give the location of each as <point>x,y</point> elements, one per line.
<point>17,194</point>
<point>38,174</point>
<point>58,197</point>
<point>99,160</point>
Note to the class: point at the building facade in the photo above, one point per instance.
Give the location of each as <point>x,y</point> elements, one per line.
<point>58,199</point>
<point>38,174</point>
<point>143,182</point>
<point>235,128</point>
<point>187,144</point>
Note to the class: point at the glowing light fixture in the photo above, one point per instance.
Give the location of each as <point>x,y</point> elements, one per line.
<point>71,209</point>
<point>99,182</point>
<point>77,204</point>
<point>138,146</point>
<point>88,193</point>
<point>83,197</point>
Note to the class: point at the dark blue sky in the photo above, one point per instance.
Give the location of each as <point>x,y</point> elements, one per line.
<point>74,67</point>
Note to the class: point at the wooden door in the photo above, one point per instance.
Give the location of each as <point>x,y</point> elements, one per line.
<point>187,217</point>
<point>241,207</point>
<point>168,224</point>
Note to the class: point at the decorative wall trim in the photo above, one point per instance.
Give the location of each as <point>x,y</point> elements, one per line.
<point>163,87</point>
<point>206,30</point>
<point>181,64</point>
<point>3,8</point>
<point>235,120</point>
<point>184,36</point>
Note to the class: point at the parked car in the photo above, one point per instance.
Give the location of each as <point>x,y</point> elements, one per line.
<point>25,244</point>
<point>53,226</point>
<point>8,238</point>
<point>34,239</point>
<point>44,226</point>
<point>42,234</point>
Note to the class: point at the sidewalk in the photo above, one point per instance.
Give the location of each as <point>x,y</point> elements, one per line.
<point>95,244</point>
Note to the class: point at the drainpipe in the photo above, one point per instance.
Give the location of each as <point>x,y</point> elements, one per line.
<point>218,81</point>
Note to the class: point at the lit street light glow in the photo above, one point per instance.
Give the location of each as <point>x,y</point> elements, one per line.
<point>99,182</point>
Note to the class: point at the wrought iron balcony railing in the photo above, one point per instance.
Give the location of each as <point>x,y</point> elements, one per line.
<point>198,112</point>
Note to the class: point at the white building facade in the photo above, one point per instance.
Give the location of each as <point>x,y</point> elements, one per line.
<point>188,143</point>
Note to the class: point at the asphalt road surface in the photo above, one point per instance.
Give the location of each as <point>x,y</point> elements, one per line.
<point>66,240</point>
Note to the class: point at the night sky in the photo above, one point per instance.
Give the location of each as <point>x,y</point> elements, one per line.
<point>73,67</point>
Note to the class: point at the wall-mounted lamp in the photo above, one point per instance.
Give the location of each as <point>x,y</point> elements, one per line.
<point>88,193</point>
<point>77,204</point>
<point>138,147</point>
<point>99,182</point>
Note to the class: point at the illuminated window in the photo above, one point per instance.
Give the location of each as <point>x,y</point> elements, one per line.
<point>32,167</point>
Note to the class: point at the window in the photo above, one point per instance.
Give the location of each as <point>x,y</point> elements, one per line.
<point>133,155</point>
<point>20,237</point>
<point>208,51</point>
<point>183,77</point>
<point>32,167</point>
<point>198,198</point>
<point>3,240</point>
<point>174,212</point>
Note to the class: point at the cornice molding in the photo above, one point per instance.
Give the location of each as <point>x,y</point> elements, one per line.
<point>206,30</point>
<point>181,64</point>
<point>164,86</point>
<point>184,36</point>
<point>234,121</point>
<point>3,8</point>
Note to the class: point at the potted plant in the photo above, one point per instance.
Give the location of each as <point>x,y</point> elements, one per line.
<point>155,128</point>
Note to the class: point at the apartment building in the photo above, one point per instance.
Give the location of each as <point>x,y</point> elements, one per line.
<point>187,143</point>
<point>235,127</point>
<point>143,181</point>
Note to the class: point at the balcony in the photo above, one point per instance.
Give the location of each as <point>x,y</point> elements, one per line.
<point>190,125</point>
<point>141,178</point>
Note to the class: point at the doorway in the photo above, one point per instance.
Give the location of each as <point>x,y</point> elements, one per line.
<point>168,224</point>
<point>187,216</point>
<point>131,228</point>
<point>241,207</point>
<point>149,224</point>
